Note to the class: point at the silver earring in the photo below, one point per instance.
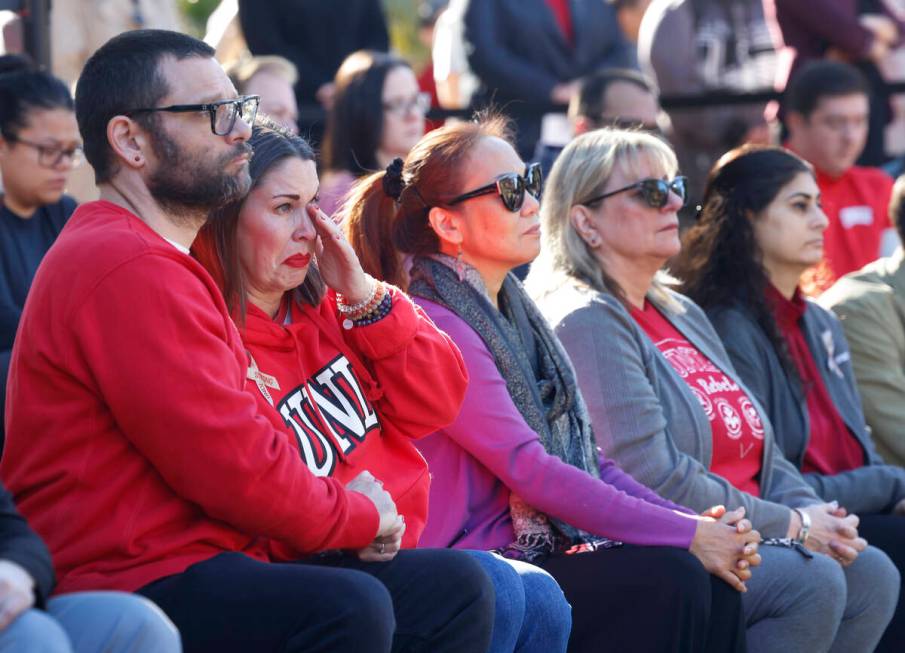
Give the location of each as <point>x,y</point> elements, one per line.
<point>460,265</point>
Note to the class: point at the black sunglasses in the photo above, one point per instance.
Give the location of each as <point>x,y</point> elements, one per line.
<point>223,114</point>
<point>510,187</point>
<point>655,192</point>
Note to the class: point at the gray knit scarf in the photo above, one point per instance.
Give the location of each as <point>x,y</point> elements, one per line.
<point>539,377</point>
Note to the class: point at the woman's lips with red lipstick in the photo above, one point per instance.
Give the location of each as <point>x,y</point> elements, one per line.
<point>298,260</point>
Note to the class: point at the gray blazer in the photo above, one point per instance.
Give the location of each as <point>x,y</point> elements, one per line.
<point>647,419</point>
<point>872,489</point>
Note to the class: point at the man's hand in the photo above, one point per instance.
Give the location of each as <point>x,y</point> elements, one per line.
<point>366,484</point>
<point>384,548</point>
<point>16,592</point>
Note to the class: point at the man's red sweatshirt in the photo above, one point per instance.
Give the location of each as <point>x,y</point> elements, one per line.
<point>132,446</point>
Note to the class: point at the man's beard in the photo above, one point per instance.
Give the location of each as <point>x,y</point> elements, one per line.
<point>190,187</point>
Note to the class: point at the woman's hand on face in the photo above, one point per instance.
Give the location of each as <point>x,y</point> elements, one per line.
<point>725,552</point>
<point>385,547</point>
<point>336,260</point>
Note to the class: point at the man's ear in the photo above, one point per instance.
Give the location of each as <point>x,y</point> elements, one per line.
<point>795,121</point>
<point>446,224</point>
<point>581,125</point>
<point>581,220</point>
<point>129,141</point>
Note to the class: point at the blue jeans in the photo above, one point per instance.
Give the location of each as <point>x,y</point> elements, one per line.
<point>532,614</point>
<point>91,622</point>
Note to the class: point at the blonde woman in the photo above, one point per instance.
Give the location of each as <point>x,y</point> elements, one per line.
<point>667,405</point>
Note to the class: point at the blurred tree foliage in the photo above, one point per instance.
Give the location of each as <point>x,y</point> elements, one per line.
<point>196,13</point>
<point>402,18</point>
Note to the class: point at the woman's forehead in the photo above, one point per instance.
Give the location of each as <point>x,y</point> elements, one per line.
<point>490,158</point>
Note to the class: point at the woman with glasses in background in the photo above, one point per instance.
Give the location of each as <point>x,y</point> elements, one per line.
<point>377,115</point>
<point>518,471</point>
<point>668,406</point>
<point>39,146</point>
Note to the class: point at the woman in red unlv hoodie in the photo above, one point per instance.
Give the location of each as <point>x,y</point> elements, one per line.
<point>350,384</point>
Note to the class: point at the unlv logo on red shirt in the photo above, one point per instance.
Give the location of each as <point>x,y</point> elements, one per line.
<point>329,414</point>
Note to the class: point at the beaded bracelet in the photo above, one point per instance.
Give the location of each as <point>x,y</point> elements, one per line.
<point>380,312</point>
<point>368,311</point>
<point>371,306</point>
<point>349,309</point>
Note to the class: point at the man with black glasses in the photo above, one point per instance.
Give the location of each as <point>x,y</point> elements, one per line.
<point>614,97</point>
<point>133,448</point>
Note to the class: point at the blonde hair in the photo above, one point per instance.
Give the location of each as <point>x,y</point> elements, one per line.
<point>241,72</point>
<point>582,171</point>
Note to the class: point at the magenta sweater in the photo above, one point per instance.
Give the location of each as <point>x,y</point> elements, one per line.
<point>490,450</point>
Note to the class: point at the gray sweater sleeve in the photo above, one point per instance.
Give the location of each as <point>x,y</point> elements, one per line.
<point>613,361</point>
<point>874,488</point>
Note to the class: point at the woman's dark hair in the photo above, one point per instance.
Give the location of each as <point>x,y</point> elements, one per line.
<point>381,227</point>
<point>124,74</point>
<point>25,88</point>
<point>721,262</point>
<point>355,123</point>
<point>216,246</point>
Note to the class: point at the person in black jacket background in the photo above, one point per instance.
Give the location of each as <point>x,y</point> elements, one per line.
<point>529,54</point>
<point>316,36</point>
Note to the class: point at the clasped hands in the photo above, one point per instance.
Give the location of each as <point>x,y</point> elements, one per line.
<point>833,532</point>
<point>727,545</point>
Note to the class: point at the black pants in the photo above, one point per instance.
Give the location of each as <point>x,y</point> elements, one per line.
<point>647,599</point>
<point>887,533</point>
<point>423,600</point>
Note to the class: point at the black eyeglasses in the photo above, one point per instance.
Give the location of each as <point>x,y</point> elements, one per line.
<point>510,187</point>
<point>223,113</point>
<point>419,103</point>
<point>655,192</point>
<point>50,156</point>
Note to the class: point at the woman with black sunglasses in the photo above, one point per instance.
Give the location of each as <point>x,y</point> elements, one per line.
<point>668,406</point>
<point>518,471</point>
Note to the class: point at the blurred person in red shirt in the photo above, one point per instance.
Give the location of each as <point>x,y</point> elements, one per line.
<point>827,115</point>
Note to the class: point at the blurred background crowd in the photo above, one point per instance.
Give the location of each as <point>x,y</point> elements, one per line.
<point>526,57</point>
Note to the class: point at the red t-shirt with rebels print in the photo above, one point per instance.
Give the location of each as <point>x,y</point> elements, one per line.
<point>738,433</point>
